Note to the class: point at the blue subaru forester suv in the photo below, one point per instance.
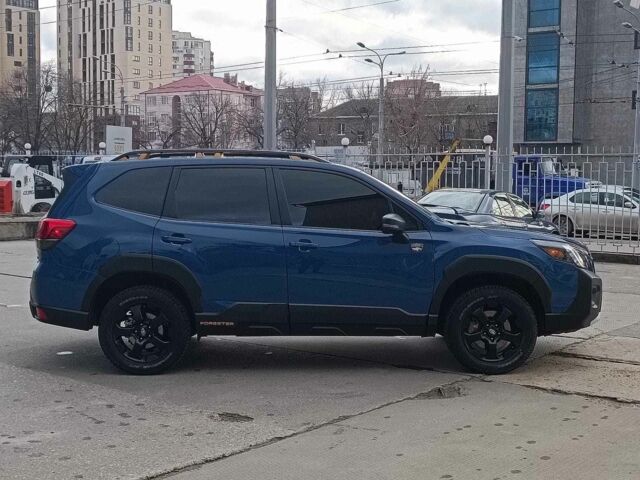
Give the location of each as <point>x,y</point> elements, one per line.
<point>156,248</point>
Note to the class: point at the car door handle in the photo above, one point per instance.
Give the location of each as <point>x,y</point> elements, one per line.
<point>304,245</point>
<point>176,240</point>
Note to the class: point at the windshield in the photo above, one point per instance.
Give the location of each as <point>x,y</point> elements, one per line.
<point>469,201</point>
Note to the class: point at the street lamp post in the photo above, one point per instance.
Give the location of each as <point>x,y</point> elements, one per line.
<point>636,135</point>
<point>380,63</point>
<point>123,119</point>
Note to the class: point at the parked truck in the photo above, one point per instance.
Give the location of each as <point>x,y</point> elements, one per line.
<point>537,178</point>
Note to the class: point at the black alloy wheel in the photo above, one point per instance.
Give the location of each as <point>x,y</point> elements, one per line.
<point>491,330</point>
<point>144,330</point>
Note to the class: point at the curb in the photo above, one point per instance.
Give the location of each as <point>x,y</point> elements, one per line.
<point>18,228</point>
<point>623,258</point>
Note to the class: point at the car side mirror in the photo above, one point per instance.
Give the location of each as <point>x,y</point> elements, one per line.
<point>629,205</point>
<point>393,224</point>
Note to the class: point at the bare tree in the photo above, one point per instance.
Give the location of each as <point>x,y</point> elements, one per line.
<point>69,122</point>
<point>167,133</point>
<point>29,98</point>
<point>411,120</point>
<point>207,118</point>
<point>250,123</point>
<point>363,101</point>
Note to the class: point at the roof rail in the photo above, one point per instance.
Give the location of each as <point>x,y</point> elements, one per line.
<point>215,153</point>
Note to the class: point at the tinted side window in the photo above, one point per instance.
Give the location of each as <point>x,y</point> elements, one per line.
<point>325,200</point>
<point>141,190</point>
<point>222,195</point>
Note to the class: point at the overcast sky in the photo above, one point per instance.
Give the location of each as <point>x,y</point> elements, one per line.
<point>462,35</point>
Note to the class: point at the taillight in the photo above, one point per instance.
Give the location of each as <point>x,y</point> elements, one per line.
<point>544,206</point>
<point>52,230</point>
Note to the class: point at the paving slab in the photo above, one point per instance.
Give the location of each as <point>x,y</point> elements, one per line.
<point>580,376</point>
<point>607,348</point>
<point>493,431</point>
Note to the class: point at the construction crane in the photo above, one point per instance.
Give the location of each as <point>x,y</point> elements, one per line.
<point>434,183</point>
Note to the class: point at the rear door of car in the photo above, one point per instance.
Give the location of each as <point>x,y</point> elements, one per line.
<point>222,224</point>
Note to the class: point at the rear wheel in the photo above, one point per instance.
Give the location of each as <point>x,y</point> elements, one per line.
<point>565,225</point>
<point>144,330</point>
<point>491,330</point>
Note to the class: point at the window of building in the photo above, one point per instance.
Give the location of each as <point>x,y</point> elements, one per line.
<point>136,58</point>
<point>322,200</point>
<point>127,12</point>
<point>8,20</point>
<point>150,61</point>
<point>150,73</point>
<point>360,137</point>
<point>543,56</point>
<point>342,129</point>
<point>542,115</point>
<point>10,45</point>
<point>544,13</point>
<point>222,195</point>
<point>128,38</point>
<point>150,48</point>
<point>136,71</point>
<point>136,85</point>
<point>150,35</point>
<point>125,192</point>
<point>150,23</point>
<point>150,9</point>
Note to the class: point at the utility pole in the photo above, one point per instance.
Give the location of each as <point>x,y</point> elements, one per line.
<point>504,163</point>
<point>380,64</point>
<point>271,65</point>
<point>636,136</point>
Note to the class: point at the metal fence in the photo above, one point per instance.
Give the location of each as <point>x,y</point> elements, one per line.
<point>592,196</point>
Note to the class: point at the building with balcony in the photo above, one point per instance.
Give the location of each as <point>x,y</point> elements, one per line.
<point>110,45</point>
<point>191,56</point>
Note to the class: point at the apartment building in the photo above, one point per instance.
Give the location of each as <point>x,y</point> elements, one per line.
<point>19,39</point>
<point>201,110</point>
<point>111,44</point>
<point>191,56</point>
<point>576,71</point>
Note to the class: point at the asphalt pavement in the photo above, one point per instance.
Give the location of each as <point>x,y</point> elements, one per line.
<point>318,408</point>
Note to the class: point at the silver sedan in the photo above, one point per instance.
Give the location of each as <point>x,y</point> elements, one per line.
<point>609,210</point>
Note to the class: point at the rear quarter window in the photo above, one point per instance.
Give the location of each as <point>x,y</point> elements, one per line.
<point>142,190</point>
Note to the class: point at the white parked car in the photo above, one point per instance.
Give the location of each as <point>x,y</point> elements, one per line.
<point>609,210</point>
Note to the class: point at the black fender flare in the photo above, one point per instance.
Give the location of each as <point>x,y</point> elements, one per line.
<point>491,265</point>
<point>166,268</point>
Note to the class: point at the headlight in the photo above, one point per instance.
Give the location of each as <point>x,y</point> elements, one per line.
<point>565,252</point>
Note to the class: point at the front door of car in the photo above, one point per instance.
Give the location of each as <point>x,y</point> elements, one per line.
<point>221,224</point>
<point>345,276</point>
<point>625,213</point>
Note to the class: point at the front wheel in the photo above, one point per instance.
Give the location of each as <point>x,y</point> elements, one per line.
<point>144,330</point>
<point>491,330</point>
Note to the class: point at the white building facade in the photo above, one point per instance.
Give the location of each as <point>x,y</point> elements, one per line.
<point>191,56</point>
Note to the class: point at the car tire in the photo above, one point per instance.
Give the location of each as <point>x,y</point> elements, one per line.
<point>491,330</point>
<point>565,225</point>
<point>144,330</point>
